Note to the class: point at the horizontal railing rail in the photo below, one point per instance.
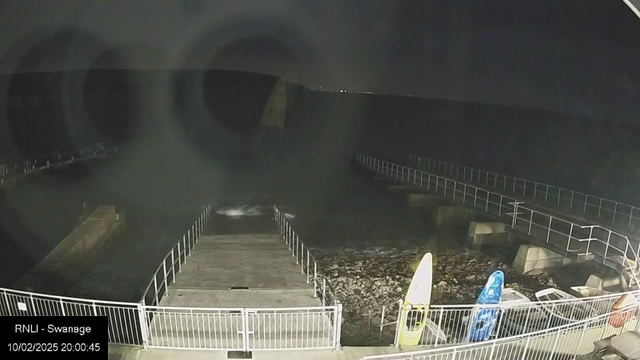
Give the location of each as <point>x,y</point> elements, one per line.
<point>309,267</point>
<point>617,213</point>
<point>243,329</point>
<point>606,246</point>
<point>453,321</point>
<point>294,328</point>
<point>172,263</point>
<point>56,158</point>
<point>187,328</point>
<point>123,317</point>
<point>304,258</point>
<point>562,342</point>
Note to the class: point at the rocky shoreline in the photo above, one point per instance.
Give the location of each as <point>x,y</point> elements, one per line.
<point>365,280</point>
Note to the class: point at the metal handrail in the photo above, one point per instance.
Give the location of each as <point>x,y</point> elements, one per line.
<point>54,159</point>
<point>490,348</point>
<point>321,282</point>
<point>7,291</point>
<point>183,249</point>
<point>542,226</point>
<point>515,318</point>
<point>614,211</point>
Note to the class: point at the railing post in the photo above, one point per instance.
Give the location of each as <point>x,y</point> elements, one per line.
<point>301,255</point>
<point>630,216</point>
<point>606,249</point>
<point>324,291</point>
<point>33,305</point>
<point>184,247</point>
<point>144,331</point>
<point>615,210</point>
<point>526,347</point>
<point>6,301</point>
<point>315,279</point>
<point>155,287</point>
<point>297,250</point>
<point>179,260</point>
<point>464,195</point>
<point>475,197</point>
<point>164,270</point>
<point>497,329</point>
<point>189,240</point>
<point>546,194</point>
<point>570,234</point>
<point>577,351</point>
<point>589,242</point>
<point>338,323</point>
<point>600,207</point>
<point>399,325</point>
<point>439,325</point>
<point>586,200</point>
<point>307,265</point>
<point>549,229</point>
<point>493,347</point>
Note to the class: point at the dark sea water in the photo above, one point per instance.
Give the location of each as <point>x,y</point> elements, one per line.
<point>177,159</point>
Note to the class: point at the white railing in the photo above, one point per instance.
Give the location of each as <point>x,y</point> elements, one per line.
<point>294,328</point>
<point>195,328</point>
<point>54,159</point>
<point>308,264</point>
<point>608,247</point>
<point>564,342</point>
<point>172,263</point>
<point>453,321</point>
<point>590,206</point>
<point>125,326</point>
<point>243,329</point>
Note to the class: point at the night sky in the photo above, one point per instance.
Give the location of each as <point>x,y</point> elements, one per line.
<point>575,56</point>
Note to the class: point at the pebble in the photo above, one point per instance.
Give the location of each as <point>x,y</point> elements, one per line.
<point>364,280</point>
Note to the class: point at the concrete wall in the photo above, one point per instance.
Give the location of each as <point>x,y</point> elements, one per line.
<point>62,263</point>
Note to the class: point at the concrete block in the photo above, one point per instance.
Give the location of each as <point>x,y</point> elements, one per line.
<point>452,216</point>
<point>530,257</point>
<point>613,283</point>
<point>487,233</point>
